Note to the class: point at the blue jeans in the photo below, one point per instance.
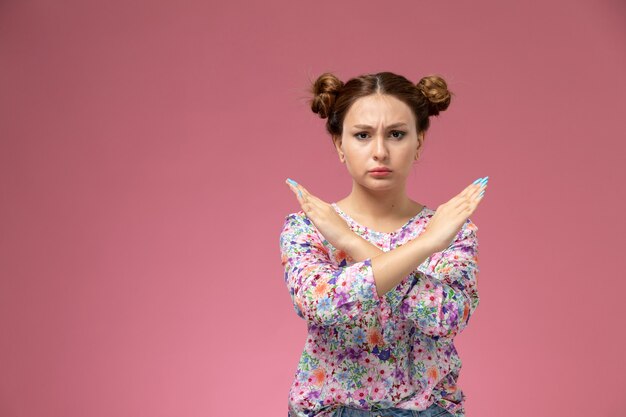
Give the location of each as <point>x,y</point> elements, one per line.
<point>433,411</point>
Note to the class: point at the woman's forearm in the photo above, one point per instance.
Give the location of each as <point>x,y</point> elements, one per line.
<point>360,249</point>
<point>392,266</point>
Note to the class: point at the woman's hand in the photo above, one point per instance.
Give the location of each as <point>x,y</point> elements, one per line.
<point>450,217</point>
<point>329,223</point>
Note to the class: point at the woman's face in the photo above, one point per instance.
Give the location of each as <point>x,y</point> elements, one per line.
<point>379,131</point>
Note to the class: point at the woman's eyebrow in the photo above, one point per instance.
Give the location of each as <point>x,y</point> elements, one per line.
<point>388,127</point>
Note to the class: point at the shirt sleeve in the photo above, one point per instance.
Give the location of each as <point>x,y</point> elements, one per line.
<point>322,291</point>
<point>444,295</point>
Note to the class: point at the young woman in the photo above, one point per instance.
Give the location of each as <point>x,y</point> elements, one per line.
<point>384,283</point>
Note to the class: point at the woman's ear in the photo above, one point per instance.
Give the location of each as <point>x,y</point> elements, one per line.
<point>337,142</point>
<point>420,144</point>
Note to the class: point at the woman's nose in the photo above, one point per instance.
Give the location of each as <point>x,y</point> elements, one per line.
<point>380,148</point>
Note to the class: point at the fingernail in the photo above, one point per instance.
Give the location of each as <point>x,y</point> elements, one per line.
<point>292,182</point>
<point>477,181</point>
<point>481,193</point>
<point>300,193</point>
<point>484,181</point>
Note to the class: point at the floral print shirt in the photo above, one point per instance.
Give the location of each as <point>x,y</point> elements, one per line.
<point>368,351</point>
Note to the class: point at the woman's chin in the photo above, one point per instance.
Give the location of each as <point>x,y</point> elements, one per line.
<point>381,185</point>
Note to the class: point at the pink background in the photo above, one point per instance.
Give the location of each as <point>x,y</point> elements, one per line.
<point>143,151</point>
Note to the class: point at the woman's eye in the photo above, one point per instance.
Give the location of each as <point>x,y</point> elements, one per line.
<point>400,134</point>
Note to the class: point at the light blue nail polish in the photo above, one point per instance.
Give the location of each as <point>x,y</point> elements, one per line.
<point>484,180</point>
<point>300,193</point>
<point>481,193</point>
<point>477,181</point>
<point>292,182</point>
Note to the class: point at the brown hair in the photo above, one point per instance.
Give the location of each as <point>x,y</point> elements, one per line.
<point>332,98</point>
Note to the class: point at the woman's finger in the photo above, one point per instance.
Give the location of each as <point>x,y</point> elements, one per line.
<point>307,201</point>
<point>294,186</point>
<point>296,191</point>
<point>304,193</point>
<point>474,187</point>
<point>313,201</point>
<point>468,193</point>
<point>475,196</point>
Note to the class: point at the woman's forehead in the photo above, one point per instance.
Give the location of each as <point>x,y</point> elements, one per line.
<point>377,109</point>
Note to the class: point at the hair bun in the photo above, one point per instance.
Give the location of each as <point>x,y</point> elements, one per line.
<point>325,90</point>
<point>435,89</point>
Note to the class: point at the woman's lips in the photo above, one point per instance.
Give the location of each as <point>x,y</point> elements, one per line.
<point>380,173</point>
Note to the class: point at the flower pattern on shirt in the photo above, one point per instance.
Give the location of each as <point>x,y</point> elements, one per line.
<point>368,351</point>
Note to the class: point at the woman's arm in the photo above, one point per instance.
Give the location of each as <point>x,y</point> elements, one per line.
<point>442,300</point>
<point>323,292</point>
<point>392,266</point>
<point>314,281</point>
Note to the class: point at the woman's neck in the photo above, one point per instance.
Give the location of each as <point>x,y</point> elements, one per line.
<point>384,204</point>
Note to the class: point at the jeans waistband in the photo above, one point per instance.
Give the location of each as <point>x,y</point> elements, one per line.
<point>433,411</point>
